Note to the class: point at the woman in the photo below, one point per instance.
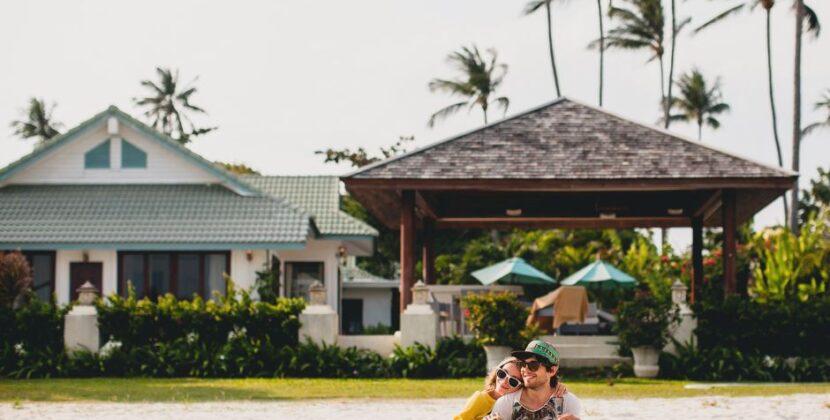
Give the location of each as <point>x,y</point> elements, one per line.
<point>504,379</point>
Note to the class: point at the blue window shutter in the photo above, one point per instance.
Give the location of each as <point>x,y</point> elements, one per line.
<point>131,156</point>
<point>98,157</point>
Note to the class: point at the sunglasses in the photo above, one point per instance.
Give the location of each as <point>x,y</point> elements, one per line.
<point>531,366</point>
<point>511,380</point>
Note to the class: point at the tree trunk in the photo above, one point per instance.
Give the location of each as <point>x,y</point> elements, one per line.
<point>550,48</point>
<point>699,130</point>
<point>772,107</point>
<point>662,85</point>
<point>799,28</point>
<point>601,50</point>
<point>667,105</point>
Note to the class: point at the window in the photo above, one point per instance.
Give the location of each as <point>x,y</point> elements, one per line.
<point>42,264</point>
<point>300,276</point>
<point>98,157</point>
<point>132,156</point>
<point>183,274</point>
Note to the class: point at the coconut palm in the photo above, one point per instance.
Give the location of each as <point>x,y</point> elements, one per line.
<point>601,47</point>
<point>530,8</point>
<point>823,103</point>
<point>167,106</point>
<point>750,5</point>
<point>698,102</point>
<point>639,27</point>
<point>478,83</point>
<point>38,122</point>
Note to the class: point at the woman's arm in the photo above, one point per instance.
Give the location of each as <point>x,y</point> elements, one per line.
<point>478,405</point>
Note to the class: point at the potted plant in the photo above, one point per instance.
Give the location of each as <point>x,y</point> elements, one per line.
<point>498,322</point>
<point>644,325</point>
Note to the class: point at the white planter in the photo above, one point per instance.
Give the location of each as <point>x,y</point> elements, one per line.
<point>646,361</point>
<point>496,354</point>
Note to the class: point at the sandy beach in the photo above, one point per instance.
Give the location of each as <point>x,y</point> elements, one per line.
<point>790,407</point>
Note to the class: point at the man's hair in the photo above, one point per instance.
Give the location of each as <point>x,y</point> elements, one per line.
<point>554,380</point>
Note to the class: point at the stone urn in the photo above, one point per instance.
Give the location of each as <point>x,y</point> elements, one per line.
<point>646,361</point>
<point>495,354</point>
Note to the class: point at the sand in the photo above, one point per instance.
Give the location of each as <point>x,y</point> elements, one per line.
<point>790,407</point>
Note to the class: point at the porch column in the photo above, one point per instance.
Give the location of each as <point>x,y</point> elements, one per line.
<point>407,247</point>
<point>428,251</point>
<point>729,245</point>
<point>697,257</point>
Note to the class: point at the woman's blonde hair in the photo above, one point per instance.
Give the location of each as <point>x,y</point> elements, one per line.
<point>490,380</point>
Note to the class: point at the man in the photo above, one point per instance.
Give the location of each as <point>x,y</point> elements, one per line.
<point>539,364</point>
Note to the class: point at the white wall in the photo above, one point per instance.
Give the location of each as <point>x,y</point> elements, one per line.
<point>377,304</point>
<point>315,251</point>
<point>243,272</point>
<point>65,164</point>
<point>109,278</point>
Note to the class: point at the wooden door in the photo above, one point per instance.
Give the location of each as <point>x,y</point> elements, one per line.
<point>80,273</point>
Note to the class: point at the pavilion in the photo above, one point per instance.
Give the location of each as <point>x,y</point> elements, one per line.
<point>565,165</point>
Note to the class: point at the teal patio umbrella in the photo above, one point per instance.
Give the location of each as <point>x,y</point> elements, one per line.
<point>512,271</point>
<point>599,274</point>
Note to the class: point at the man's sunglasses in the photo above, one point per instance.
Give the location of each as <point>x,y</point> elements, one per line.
<point>531,366</point>
<point>511,380</point>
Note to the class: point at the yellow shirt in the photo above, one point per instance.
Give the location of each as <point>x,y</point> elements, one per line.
<point>478,406</point>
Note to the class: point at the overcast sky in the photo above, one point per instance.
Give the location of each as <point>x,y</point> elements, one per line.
<point>283,79</point>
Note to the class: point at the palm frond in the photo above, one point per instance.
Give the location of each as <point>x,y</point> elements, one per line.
<point>445,112</point>
<point>720,17</point>
<point>811,19</point>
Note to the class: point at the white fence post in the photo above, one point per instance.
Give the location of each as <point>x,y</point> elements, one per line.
<point>80,328</point>
<point>419,322</point>
<point>684,330</point>
<point>319,322</point>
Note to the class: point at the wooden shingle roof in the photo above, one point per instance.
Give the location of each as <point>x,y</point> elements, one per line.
<point>567,140</point>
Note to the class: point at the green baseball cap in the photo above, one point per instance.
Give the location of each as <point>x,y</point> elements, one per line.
<point>541,349</point>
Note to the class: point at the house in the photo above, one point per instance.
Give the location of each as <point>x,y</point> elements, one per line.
<point>114,202</point>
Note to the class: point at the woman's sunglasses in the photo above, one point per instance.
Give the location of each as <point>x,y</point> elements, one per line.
<point>511,380</point>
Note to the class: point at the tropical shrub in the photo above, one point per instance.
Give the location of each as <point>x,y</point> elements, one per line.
<point>31,340</point>
<point>496,319</point>
<point>15,280</point>
<point>789,266</point>
<point>645,321</point>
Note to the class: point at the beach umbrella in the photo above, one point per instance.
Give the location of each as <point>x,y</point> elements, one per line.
<point>600,274</point>
<point>512,271</point>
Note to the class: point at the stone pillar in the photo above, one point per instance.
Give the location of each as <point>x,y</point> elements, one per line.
<point>318,321</point>
<point>419,322</point>
<point>80,328</point>
<point>683,332</point>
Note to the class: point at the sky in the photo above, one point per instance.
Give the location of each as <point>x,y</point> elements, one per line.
<point>283,79</point>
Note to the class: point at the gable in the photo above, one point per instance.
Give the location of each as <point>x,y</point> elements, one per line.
<point>137,155</point>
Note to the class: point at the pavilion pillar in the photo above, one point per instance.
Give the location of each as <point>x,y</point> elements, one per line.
<point>729,241</point>
<point>407,247</point>
<point>697,257</point>
<point>428,251</point>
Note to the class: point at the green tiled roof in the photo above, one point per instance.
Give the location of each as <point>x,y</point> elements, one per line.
<point>317,195</point>
<point>157,216</point>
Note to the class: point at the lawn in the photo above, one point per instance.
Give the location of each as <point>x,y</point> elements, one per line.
<point>194,390</point>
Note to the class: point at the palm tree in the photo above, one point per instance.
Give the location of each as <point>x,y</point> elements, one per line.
<point>532,7</point>
<point>601,50</point>
<point>638,28</point>
<point>814,27</point>
<point>676,28</point>
<point>823,103</point>
<point>698,102</point>
<point>38,123</point>
<point>167,104</point>
<point>480,80</point>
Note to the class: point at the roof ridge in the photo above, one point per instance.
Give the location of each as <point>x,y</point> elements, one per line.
<point>684,138</point>
<point>372,166</point>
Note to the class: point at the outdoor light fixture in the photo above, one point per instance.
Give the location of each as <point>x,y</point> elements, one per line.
<point>608,215</point>
<point>675,212</point>
<point>85,256</point>
<point>249,255</point>
<point>513,212</point>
